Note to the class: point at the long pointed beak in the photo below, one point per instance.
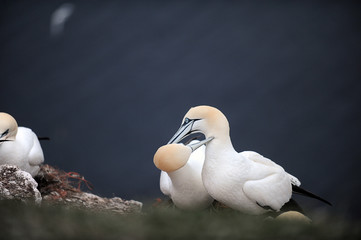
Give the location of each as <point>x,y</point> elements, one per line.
<point>183,131</point>
<point>194,146</point>
<point>5,140</point>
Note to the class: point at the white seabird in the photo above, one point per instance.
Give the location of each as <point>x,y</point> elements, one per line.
<point>244,181</point>
<point>181,175</point>
<point>19,146</point>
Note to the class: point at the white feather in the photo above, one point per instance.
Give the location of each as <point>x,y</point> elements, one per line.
<point>25,151</point>
<point>185,186</point>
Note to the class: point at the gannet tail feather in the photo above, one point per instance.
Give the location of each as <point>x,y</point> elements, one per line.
<point>43,138</point>
<point>303,192</point>
<point>294,180</point>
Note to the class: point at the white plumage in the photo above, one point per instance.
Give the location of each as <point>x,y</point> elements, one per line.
<point>244,181</point>
<point>19,146</point>
<point>182,182</point>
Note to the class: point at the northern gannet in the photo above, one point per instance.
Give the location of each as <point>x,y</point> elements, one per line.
<point>181,175</point>
<point>293,216</point>
<point>19,146</point>
<point>244,181</point>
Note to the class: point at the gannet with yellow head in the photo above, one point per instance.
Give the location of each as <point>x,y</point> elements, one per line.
<point>181,174</point>
<point>19,146</point>
<point>244,181</point>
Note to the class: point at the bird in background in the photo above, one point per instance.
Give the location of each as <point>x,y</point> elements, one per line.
<point>19,146</point>
<point>244,181</point>
<point>180,179</point>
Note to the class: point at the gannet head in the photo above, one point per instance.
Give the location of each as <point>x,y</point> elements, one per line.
<point>205,119</point>
<point>8,127</point>
<point>171,157</point>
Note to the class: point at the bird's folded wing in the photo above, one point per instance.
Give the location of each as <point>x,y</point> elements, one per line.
<point>36,156</point>
<point>258,158</point>
<point>272,191</point>
<point>294,180</point>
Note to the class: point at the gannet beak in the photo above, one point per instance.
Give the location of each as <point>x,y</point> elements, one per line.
<point>184,131</point>
<point>194,146</point>
<point>4,140</point>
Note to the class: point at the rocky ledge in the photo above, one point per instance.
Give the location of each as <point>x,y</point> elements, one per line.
<point>54,186</point>
<point>18,185</point>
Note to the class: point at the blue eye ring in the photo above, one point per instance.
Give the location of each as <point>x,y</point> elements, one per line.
<point>4,133</point>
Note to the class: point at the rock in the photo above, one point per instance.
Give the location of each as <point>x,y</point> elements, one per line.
<point>96,203</point>
<point>56,186</point>
<point>18,184</point>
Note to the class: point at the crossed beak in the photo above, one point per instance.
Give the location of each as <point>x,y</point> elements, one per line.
<point>184,131</point>
<point>194,146</point>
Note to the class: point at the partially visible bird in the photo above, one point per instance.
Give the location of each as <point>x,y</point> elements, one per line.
<point>181,175</point>
<point>244,181</point>
<point>293,216</point>
<point>19,146</point>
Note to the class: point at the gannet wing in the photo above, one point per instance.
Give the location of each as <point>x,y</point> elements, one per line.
<point>294,180</point>
<point>258,158</point>
<point>272,191</point>
<point>165,183</point>
<point>36,156</point>
<point>31,146</point>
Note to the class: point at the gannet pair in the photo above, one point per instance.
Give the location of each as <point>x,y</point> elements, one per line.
<point>244,181</point>
<point>181,174</point>
<point>19,146</point>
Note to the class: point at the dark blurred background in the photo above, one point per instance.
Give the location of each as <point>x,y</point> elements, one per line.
<point>109,83</point>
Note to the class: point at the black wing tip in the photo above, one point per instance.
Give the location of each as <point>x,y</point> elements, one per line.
<point>304,192</point>
<point>325,201</point>
<point>43,138</point>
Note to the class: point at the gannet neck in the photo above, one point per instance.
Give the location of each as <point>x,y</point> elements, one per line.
<point>8,127</point>
<point>180,175</point>
<point>192,169</point>
<point>219,153</point>
<point>184,185</point>
<point>223,144</point>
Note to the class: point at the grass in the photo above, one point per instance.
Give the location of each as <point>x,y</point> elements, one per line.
<point>24,221</point>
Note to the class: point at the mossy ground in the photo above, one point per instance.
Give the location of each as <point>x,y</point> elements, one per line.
<point>24,221</point>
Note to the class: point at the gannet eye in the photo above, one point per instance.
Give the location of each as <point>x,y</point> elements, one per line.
<point>187,120</point>
<point>5,133</point>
